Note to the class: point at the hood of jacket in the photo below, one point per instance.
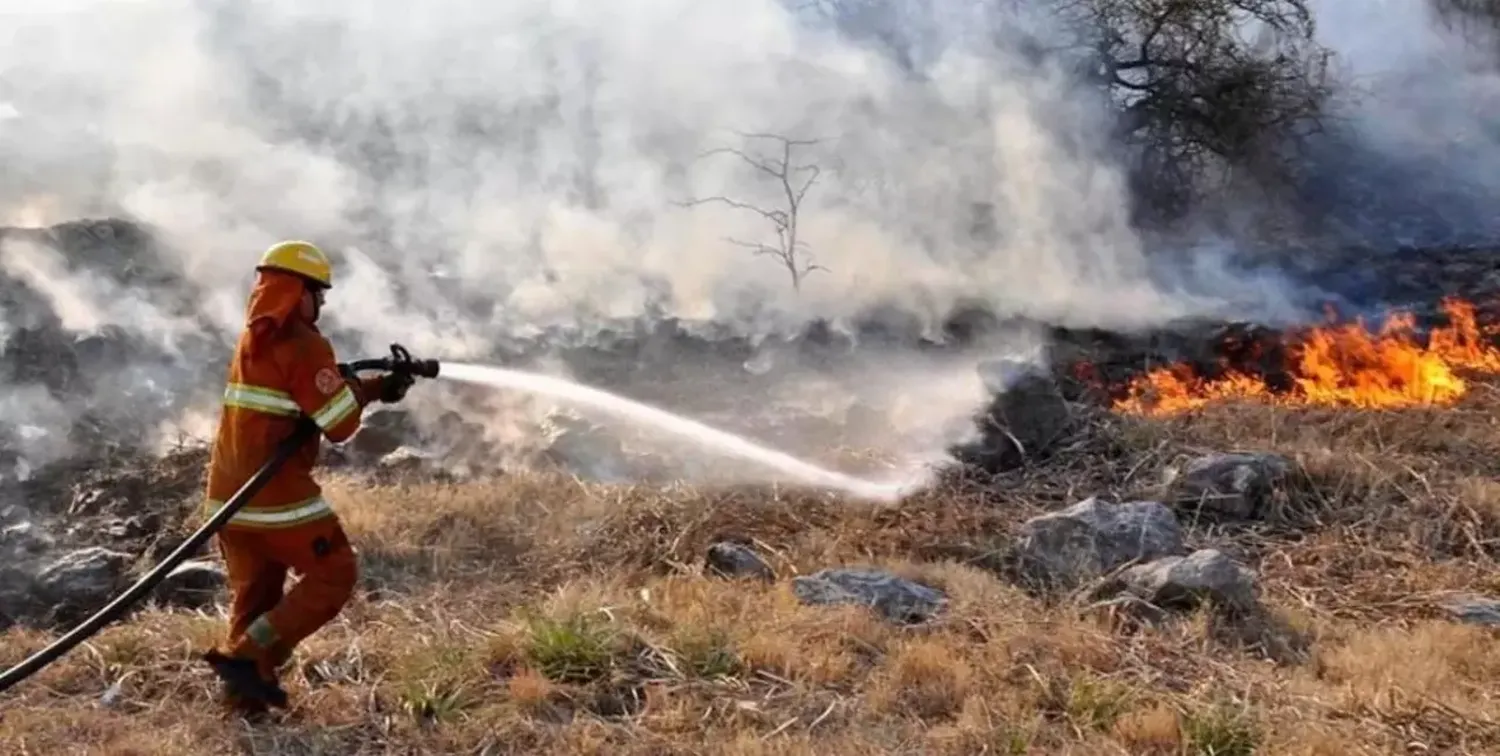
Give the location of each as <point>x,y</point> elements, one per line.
<point>275,302</point>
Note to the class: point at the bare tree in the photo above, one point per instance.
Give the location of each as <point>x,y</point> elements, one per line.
<point>792,182</point>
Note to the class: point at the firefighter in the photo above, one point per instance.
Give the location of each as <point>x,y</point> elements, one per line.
<point>282,368</point>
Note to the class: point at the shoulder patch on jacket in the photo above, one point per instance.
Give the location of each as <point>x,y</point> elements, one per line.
<point>328,381</point>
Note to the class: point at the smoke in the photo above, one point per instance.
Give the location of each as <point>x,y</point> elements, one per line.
<point>37,423</point>
<point>537,154</point>
<point>87,302</point>
<point>1412,155</point>
<point>486,173</point>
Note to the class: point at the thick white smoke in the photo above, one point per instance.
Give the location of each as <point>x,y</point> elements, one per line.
<point>493,170</point>
<point>537,153</point>
<point>539,159</point>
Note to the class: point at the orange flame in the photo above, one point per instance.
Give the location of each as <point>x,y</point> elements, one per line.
<point>1341,365</point>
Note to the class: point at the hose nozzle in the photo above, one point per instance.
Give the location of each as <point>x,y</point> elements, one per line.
<point>401,361</point>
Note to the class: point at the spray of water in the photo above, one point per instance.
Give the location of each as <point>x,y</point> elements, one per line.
<point>714,439</point>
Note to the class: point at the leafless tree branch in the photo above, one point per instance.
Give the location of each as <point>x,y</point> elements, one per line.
<point>793,182</point>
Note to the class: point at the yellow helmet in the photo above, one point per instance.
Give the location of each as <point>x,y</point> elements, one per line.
<point>299,257</point>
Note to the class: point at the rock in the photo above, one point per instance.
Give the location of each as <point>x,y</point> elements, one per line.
<point>730,559</point>
<point>1185,582</point>
<point>82,580</point>
<point>1237,486</point>
<point>1475,610</point>
<point>1023,422</point>
<point>1067,548</point>
<point>896,599</point>
<point>193,583</point>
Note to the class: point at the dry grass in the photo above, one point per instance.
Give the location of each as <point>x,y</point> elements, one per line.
<point>539,615</point>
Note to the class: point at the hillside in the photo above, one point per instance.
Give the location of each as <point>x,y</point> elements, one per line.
<point>534,613</point>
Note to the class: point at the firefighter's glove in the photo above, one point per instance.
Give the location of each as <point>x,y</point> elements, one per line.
<point>393,388</point>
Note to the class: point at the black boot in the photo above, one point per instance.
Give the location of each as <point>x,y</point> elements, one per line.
<point>241,678</point>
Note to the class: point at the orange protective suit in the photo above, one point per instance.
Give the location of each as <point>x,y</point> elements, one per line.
<point>282,367</point>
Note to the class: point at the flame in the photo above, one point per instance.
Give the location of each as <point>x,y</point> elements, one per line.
<point>1341,364</point>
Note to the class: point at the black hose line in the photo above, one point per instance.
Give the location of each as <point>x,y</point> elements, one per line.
<point>305,430</point>
<point>113,609</point>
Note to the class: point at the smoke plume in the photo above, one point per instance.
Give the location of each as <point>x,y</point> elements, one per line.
<point>489,173</point>
<point>1412,156</point>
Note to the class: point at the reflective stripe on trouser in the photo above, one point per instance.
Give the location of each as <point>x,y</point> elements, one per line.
<point>262,634</point>
<point>286,516</point>
<point>260,399</point>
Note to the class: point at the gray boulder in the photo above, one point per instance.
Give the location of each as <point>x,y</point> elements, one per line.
<point>733,560</point>
<point>1186,582</point>
<point>1065,549</point>
<point>894,598</point>
<point>1233,486</point>
<point>1475,610</point>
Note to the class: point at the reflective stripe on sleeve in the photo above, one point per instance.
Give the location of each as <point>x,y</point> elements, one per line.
<point>260,399</point>
<point>337,409</point>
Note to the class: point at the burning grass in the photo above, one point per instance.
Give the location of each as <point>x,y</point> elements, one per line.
<point>1338,364</point>
<point>540,615</point>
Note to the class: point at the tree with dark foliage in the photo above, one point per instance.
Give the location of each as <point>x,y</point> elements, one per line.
<point>1202,91</point>
<point>1206,86</point>
<point>1475,21</point>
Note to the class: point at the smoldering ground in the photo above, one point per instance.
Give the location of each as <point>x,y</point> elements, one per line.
<point>492,175</point>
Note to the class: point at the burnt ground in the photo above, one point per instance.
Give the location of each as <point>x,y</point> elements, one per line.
<point>93,525</point>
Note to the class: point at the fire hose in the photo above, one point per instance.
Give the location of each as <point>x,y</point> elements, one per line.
<point>400,361</point>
